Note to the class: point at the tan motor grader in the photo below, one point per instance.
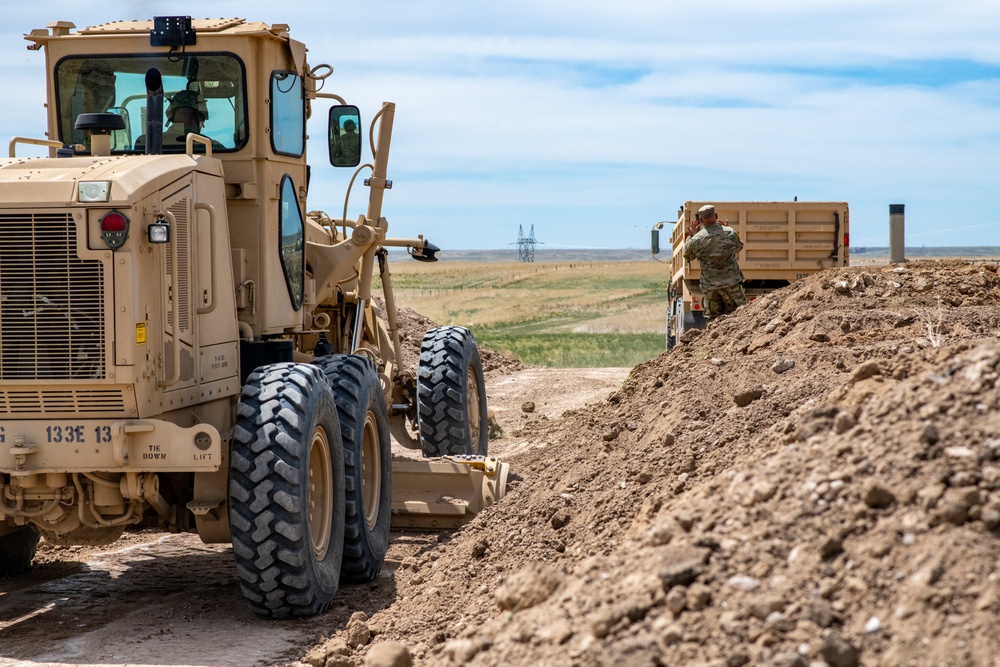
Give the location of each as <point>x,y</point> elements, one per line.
<point>183,345</point>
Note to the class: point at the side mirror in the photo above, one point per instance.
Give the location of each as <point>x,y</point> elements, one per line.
<point>654,241</point>
<point>429,253</point>
<point>345,136</point>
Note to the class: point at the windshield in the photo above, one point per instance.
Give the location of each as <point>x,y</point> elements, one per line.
<point>201,93</point>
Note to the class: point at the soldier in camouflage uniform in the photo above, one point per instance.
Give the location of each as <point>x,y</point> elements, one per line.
<point>716,247</point>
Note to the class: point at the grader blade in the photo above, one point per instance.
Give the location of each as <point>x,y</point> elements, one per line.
<point>446,492</point>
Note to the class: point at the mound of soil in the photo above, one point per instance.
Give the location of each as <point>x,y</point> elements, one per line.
<point>812,480</point>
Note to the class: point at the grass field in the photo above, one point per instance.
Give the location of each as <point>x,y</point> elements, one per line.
<point>565,314</point>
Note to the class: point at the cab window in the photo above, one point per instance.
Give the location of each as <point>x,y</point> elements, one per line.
<point>288,114</point>
<point>291,227</point>
<point>203,93</point>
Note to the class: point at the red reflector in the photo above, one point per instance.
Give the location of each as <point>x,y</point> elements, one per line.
<point>114,222</point>
<point>695,306</point>
<point>846,239</point>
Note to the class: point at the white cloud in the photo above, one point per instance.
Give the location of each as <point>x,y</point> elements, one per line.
<point>592,120</point>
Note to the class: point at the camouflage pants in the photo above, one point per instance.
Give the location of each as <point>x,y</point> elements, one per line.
<point>724,300</point>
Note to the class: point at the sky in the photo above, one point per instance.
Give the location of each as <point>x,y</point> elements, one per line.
<point>586,122</point>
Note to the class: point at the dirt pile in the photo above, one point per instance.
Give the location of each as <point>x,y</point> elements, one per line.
<point>812,480</point>
<point>413,326</point>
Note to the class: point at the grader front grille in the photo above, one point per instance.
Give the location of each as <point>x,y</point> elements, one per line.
<point>51,302</point>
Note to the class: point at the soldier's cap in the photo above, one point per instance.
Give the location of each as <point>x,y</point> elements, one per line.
<point>349,123</point>
<point>186,98</point>
<point>706,211</point>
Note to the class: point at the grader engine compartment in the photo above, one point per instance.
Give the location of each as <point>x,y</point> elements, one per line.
<point>182,345</point>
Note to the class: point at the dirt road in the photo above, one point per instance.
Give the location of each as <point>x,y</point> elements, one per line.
<point>158,599</point>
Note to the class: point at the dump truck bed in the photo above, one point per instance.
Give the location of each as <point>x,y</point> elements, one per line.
<point>782,242</point>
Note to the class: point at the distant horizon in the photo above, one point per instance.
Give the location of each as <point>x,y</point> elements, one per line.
<point>635,254</point>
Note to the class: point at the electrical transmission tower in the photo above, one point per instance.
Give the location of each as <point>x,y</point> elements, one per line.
<point>526,244</point>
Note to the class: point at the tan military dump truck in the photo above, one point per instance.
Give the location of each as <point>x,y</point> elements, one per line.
<point>782,242</point>
<point>184,344</point>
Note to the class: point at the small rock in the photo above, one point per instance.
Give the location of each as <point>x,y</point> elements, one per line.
<point>461,651</point>
<point>672,634</point>
<point>866,370</point>
<point>820,612</point>
<point>388,654</point>
<point>930,434</point>
<point>789,659</point>
<point>316,657</point>
<point>480,548</point>
<point>743,583</point>
<point>699,596</point>
<point>838,652</point>
<point>557,632</point>
<point>831,547</point>
<point>494,428</point>
<point>819,337</point>
<point>765,605</point>
<point>668,439</point>
<point>658,535</point>
<point>676,600</point>
<point>876,495</point>
<point>529,586</point>
<point>611,435</point>
<point>528,406</point>
<point>745,398</point>
<point>682,565</point>
<point>737,658</point>
<point>559,519</point>
<point>843,423</point>
<point>783,366</point>
<point>990,516</point>
<point>357,633</point>
<point>762,492</point>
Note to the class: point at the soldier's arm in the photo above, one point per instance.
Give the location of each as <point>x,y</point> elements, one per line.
<point>690,250</point>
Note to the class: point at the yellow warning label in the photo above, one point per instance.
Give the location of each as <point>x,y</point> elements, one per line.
<point>140,333</point>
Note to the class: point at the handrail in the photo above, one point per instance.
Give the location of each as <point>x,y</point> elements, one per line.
<point>204,310</point>
<point>35,142</point>
<point>201,139</point>
<point>175,309</point>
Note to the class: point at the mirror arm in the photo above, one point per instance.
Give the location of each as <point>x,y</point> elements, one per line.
<point>329,96</point>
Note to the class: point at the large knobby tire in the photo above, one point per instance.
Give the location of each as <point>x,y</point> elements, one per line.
<point>286,491</point>
<point>364,427</point>
<point>451,394</point>
<point>16,550</point>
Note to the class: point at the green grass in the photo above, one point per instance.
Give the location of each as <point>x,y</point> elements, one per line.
<point>573,350</point>
<point>569,314</point>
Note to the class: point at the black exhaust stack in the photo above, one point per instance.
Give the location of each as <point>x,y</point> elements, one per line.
<point>154,112</point>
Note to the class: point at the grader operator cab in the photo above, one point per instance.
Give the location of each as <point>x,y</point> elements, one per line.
<point>183,345</point>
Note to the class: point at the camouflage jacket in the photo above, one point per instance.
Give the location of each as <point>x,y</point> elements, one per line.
<point>716,247</point>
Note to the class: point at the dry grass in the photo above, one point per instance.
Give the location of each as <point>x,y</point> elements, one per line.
<point>578,297</point>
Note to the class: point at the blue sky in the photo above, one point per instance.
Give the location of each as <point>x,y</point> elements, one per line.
<point>590,121</point>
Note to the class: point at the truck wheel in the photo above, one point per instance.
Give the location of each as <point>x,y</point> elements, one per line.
<point>451,394</point>
<point>364,427</point>
<point>16,550</point>
<point>286,491</point>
